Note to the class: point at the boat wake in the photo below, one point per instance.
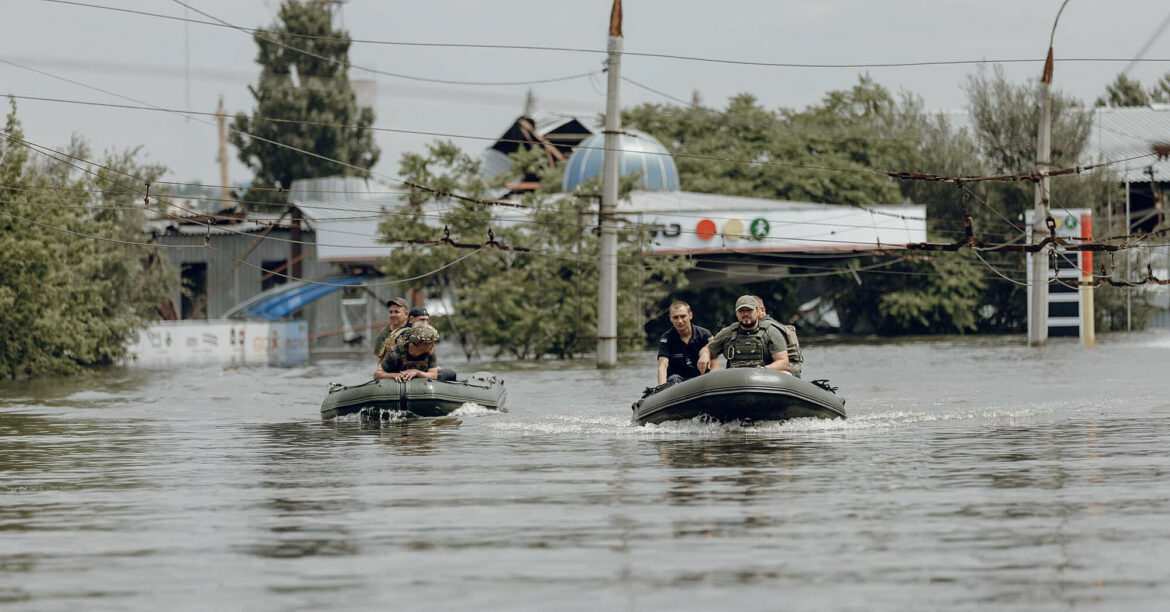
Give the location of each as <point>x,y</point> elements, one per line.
<point>892,419</point>
<point>472,409</point>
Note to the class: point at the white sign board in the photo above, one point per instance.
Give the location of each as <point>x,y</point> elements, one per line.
<point>221,342</point>
<point>836,228</point>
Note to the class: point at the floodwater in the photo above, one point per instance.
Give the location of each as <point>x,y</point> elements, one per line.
<point>971,474</point>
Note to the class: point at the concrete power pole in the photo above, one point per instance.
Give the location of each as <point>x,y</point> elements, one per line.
<point>222,157</point>
<point>1038,291</point>
<point>607,271</point>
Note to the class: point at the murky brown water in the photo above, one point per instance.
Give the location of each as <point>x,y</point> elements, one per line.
<point>971,474</point>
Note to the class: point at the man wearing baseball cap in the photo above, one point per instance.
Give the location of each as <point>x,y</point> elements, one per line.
<point>747,344</point>
<point>395,320</point>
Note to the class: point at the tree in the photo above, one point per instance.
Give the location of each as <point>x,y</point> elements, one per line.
<point>1124,91</point>
<point>72,292</point>
<point>297,86</point>
<point>752,151</point>
<point>1160,92</point>
<point>525,303</point>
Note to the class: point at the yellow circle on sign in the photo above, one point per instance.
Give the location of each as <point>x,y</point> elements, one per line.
<point>733,229</point>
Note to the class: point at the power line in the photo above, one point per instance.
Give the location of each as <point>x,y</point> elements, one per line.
<point>260,33</point>
<point>646,54</point>
<point>913,176</point>
<point>65,230</point>
<point>658,92</point>
<point>970,240</point>
<point>898,175</point>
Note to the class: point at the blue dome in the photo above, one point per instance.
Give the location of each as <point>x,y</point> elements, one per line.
<point>641,154</point>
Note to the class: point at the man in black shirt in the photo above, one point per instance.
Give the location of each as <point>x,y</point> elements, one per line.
<point>678,349</point>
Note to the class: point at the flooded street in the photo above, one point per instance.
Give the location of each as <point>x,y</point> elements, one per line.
<point>970,474</point>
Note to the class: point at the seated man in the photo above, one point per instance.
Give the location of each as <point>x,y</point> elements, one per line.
<point>412,357</point>
<point>417,316</point>
<point>678,349</point>
<point>795,355</point>
<point>395,320</point>
<point>747,344</point>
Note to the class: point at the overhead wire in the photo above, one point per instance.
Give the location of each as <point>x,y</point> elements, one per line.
<point>916,176</point>
<point>261,35</point>
<point>646,54</point>
<point>898,175</point>
<point>971,241</point>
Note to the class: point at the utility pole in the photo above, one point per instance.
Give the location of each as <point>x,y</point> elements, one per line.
<point>225,189</point>
<point>1128,261</point>
<point>1038,291</point>
<point>607,270</point>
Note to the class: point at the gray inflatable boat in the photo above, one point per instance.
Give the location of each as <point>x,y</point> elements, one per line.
<point>741,394</point>
<point>419,397</point>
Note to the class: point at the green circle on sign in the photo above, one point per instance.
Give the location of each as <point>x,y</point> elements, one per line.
<point>1070,222</point>
<point>760,228</point>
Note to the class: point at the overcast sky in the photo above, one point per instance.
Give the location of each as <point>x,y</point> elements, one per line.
<point>148,59</point>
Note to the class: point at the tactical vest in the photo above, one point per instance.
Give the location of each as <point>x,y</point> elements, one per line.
<point>748,349</point>
<point>795,356</point>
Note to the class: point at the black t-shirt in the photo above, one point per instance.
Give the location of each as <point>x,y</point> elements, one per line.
<point>398,360</point>
<point>683,357</point>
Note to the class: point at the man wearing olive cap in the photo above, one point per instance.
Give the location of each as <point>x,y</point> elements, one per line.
<point>395,320</point>
<point>412,357</point>
<point>747,344</point>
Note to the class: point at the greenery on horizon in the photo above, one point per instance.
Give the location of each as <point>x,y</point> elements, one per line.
<point>71,295</point>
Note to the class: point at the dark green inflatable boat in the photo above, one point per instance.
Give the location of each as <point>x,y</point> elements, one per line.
<point>419,397</point>
<point>740,394</point>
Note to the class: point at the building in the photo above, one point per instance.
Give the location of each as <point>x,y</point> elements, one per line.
<point>317,262</point>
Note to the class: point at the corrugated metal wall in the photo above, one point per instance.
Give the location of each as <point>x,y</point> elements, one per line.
<point>230,282</point>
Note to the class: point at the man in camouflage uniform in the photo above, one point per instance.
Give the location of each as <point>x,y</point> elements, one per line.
<point>417,316</point>
<point>747,344</point>
<point>395,321</point>
<point>412,357</point>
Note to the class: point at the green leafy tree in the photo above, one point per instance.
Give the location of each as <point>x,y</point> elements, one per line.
<point>752,151</point>
<point>526,304</point>
<point>312,87</point>
<point>1124,91</point>
<point>1160,92</point>
<point>921,294</point>
<point>72,294</point>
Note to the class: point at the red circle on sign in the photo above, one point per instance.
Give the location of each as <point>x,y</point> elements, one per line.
<point>705,229</point>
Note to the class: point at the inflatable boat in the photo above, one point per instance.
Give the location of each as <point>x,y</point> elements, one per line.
<point>418,397</point>
<point>740,394</point>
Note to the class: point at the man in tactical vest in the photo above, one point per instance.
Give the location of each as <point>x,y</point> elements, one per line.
<point>747,344</point>
<point>795,355</point>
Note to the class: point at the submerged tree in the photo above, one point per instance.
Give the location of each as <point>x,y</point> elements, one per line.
<point>73,285</point>
<point>304,78</point>
<point>539,298</point>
